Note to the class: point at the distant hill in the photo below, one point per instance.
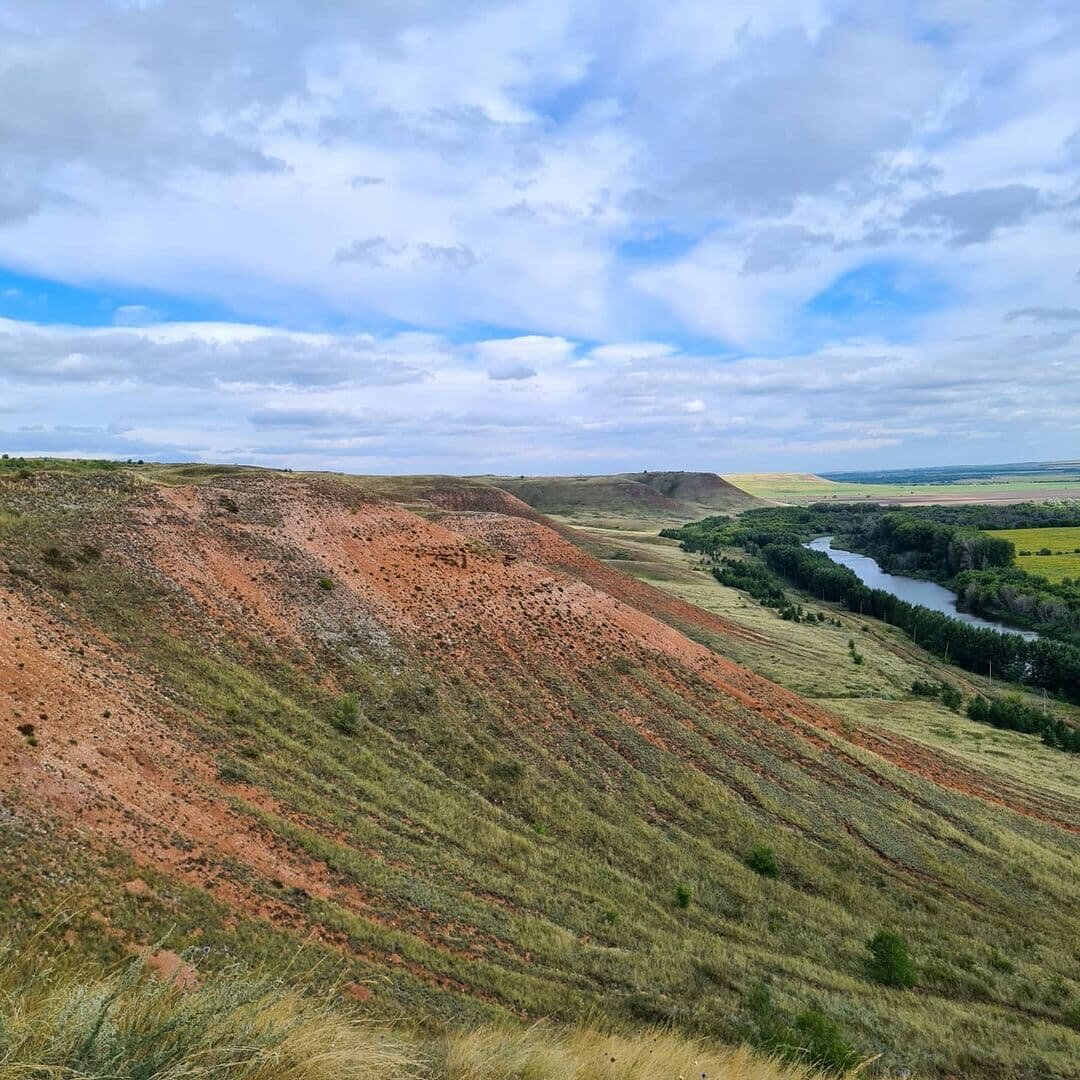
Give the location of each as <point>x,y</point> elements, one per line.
<point>660,494</point>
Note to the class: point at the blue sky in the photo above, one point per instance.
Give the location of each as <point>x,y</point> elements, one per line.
<point>541,237</point>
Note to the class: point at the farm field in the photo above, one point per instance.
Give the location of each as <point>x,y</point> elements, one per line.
<point>800,488</point>
<point>1063,543</point>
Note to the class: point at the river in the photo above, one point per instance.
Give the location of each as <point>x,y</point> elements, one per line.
<point>914,590</point>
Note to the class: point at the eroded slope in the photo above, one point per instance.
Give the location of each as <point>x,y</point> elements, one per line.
<point>479,766</point>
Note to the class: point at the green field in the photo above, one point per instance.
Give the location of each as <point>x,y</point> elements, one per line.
<point>807,488</point>
<point>1063,543</point>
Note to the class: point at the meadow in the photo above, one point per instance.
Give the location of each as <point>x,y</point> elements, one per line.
<point>1063,545</point>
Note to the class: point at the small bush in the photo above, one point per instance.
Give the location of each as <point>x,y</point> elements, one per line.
<point>951,698</point>
<point>1070,1017</point>
<point>232,772</point>
<point>824,1042</point>
<point>683,896</point>
<point>345,714</point>
<point>326,583</point>
<point>762,860</point>
<point>890,962</point>
<point>813,1038</point>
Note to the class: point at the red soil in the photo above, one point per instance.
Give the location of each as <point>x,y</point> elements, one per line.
<point>477,590</point>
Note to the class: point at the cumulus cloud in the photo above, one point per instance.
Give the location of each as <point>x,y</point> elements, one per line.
<point>604,225</point>
<point>451,256</point>
<point>1044,314</point>
<point>198,356</point>
<point>420,402</point>
<point>371,251</point>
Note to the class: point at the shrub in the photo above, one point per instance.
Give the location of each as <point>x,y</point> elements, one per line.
<point>232,772</point>
<point>890,962</point>
<point>326,583</point>
<point>683,896</point>
<point>813,1038</point>
<point>762,860</point>
<point>951,697</point>
<point>345,714</point>
<point>823,1042</point>
<point>1070,1017</point>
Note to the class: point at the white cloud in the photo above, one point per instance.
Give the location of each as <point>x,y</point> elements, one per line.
<point>596,218</point>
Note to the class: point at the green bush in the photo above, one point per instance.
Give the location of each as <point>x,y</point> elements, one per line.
<point>232,772</point>
<point>326,583</point>
<point>812,1038</point>
<point>762,860</point>
<point>823,1042</point>
<point>345,714</point>
<point>1071,1016</point>
<point>890,962</point>
<point>951,698</point>
<point>683,896</point>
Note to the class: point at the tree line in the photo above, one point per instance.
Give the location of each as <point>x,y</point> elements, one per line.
<point>943,543</point>
<point>777,534</point>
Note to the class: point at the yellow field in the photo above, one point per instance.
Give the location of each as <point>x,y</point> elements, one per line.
<point>1064,543</point>
<point>801,488</point>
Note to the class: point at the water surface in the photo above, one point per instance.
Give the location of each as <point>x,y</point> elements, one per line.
<point>915,591</point>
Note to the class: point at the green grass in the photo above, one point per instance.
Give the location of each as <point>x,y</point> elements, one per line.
<point>1064,560</point>
<point>512,838</point>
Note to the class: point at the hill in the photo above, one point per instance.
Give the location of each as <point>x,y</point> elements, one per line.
<point>663,495</point>
<point>405,737</point>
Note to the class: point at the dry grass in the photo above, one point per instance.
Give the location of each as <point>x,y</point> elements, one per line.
<point>543,1052</point>
<point>58,1022</point>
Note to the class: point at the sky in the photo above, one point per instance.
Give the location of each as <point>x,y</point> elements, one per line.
<point>541,236</point>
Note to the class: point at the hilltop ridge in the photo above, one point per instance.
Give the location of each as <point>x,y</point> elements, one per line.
<point>664,495</point>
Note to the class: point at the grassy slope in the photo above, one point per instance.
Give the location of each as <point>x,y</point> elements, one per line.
<point>814,661</point>
<point>800,488</point>
<point>511,836</point>
<point>79,1021</point>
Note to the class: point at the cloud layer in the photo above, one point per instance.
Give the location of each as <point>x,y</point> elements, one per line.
<point>537,235</point>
